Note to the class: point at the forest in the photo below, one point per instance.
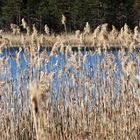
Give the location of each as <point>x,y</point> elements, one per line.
<point>77,12</point>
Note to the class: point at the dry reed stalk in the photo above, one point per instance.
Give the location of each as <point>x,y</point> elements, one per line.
<point>25,26</point>
<point>46,29</point>
<point>87,29</point>
<point>77,34</point>
<point>63,21</point>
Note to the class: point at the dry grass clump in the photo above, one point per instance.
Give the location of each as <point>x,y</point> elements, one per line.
<point>15,29</point>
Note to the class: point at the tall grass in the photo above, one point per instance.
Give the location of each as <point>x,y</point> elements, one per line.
<point>68,95</point>
<point>101,36</point>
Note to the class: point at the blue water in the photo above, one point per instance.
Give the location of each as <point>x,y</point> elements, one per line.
<point>91,69</point>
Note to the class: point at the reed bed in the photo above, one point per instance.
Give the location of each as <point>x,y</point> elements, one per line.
<point>101,36</point>
<point>68,95</point>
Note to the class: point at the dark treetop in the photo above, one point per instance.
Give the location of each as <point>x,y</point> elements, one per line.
<point>77,12</point>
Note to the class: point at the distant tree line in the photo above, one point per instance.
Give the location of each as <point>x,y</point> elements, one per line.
<point>77,12</point>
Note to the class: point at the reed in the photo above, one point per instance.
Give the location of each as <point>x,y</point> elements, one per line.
<point>71,95</point>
